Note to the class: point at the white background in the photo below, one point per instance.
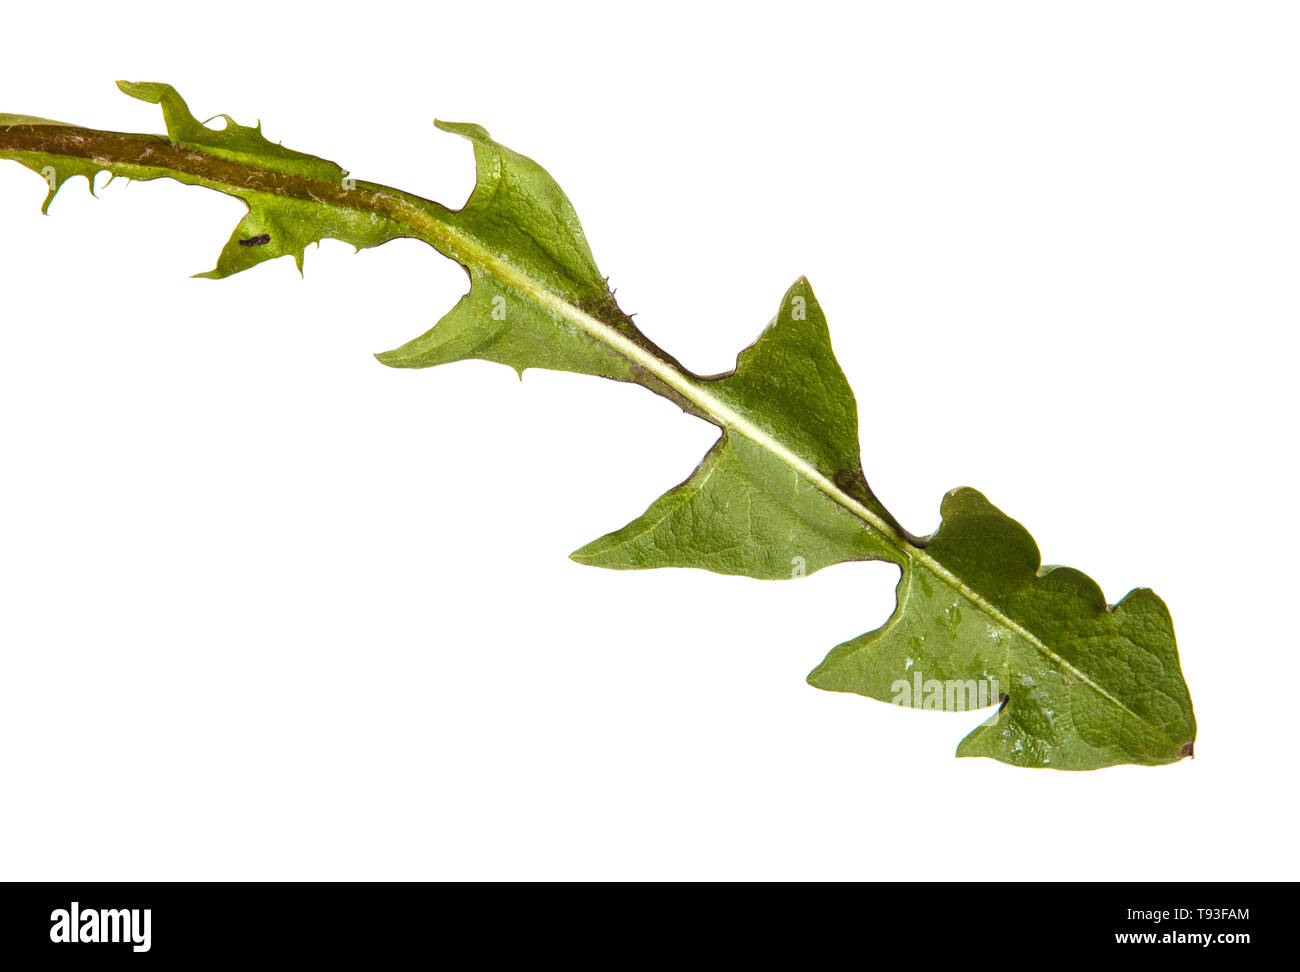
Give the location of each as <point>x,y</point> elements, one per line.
<point>271,610</point>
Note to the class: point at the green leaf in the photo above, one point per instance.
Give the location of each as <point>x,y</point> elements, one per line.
<point>1077,684</point>
<point>978,620</point>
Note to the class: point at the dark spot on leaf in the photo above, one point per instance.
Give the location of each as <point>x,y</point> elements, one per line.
<point>1187,750</point>
<point>261,240</point>
<point>846,481</point>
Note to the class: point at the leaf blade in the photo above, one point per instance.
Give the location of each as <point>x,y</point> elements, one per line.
<point>977,606</point>
<point>745,510</point>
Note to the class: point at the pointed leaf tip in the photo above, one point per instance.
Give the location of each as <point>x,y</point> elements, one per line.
<point>1086,686</point>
